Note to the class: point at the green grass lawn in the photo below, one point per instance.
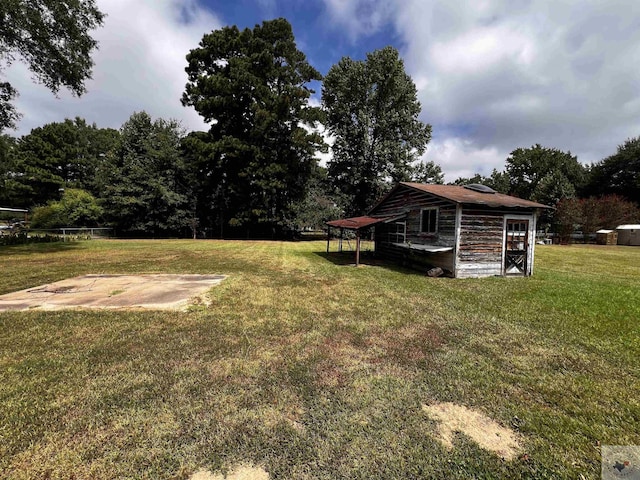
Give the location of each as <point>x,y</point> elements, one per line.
<point>314,369</point>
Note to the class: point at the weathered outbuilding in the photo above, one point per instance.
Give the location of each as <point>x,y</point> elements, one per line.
<point>628,234</point>
<point>606,237</point>
<point>468,231</point>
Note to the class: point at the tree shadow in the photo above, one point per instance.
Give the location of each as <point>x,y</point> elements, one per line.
<point>27,248</point>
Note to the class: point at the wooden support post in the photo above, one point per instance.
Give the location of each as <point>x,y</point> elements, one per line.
<point>340,243</point>
<point>357,248</point>
<point>328,236</point>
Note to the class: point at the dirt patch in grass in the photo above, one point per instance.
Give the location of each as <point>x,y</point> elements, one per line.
<point>152,291</point>
<point>484,431</point>
<point>408,345</point>
<point>242,472</point>
<point>395,352</point>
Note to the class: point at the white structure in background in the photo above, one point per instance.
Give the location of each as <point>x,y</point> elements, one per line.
<point>628,234</point>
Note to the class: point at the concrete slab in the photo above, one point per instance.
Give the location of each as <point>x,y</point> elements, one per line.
<point>150,291</point>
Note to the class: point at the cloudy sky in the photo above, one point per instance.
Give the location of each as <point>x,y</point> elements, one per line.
<point>492,75</point>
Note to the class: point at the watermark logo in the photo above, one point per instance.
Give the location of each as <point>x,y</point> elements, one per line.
<point>620,462</point>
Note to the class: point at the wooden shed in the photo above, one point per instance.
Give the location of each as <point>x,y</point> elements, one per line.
<point>628,234</point>
<point>468,231</point>
<point>606,237</point>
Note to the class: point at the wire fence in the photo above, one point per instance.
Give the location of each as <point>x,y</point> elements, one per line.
<point>17,234</point>
<point>80,232</point>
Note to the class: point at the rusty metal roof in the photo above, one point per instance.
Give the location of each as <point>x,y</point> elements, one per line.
<point>460,194</point>
<point>356,223</point>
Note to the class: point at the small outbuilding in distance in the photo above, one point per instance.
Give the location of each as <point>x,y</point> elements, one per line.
<point>628,234</point>
<point>467,231</point>
<point>606,237</point>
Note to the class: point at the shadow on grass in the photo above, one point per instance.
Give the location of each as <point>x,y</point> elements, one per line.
<point>349,258</point>
<point>39,248</point>
<point>368,258</point>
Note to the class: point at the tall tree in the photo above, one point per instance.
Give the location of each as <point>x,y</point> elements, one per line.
<point>52,37</point>
<point>145,189</point>
<point>60,155</point>
<point>97,145</point>
<point>477,178</point>
<point>8,113</point>
<point>372,111</point>
<point>427,172</point>
<point>207,183</point>
<point>251,85</point>
<point>618,174</point>
<point>499,181</point>
<point>318,206</point>
<point>545,175</point>
<point>7,170</point>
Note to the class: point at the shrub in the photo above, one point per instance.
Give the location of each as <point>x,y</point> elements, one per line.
<point>76,208</point>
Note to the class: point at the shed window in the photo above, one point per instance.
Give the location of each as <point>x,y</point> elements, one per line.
<point>398,232</point>
<point>429,220</point>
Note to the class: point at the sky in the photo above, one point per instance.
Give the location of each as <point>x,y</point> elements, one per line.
<point>492,75</point>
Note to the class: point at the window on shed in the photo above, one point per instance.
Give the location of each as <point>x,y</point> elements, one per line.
<point>398,232</point>
<point>517,234</point>
<point>429,220</point>
<point>517,228</point>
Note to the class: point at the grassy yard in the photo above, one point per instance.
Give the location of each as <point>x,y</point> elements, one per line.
<point>314,369</point>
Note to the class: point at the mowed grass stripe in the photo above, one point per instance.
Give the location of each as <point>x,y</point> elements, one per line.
<point>315,369</point>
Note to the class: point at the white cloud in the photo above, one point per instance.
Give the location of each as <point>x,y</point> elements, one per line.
<point>360,17</point>
<point>492,75</point>
<point>323,158</point>
<point>511,74</point>
<point>139,66</point>
<point>462,158</point>
<point>480,49</point>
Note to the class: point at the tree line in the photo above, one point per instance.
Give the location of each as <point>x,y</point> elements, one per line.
<point>255,172</point>
<point>585,197</point>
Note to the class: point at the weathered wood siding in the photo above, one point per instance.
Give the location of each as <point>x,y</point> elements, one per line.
<point>481,243</point>
<point>411,202</point>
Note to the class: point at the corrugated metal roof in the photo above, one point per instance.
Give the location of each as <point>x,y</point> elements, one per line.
<point>356,223</point>
<point>459,194</point>
<point>628,227</point>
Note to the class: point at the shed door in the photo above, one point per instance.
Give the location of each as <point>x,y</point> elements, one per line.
<point>516,247</point>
